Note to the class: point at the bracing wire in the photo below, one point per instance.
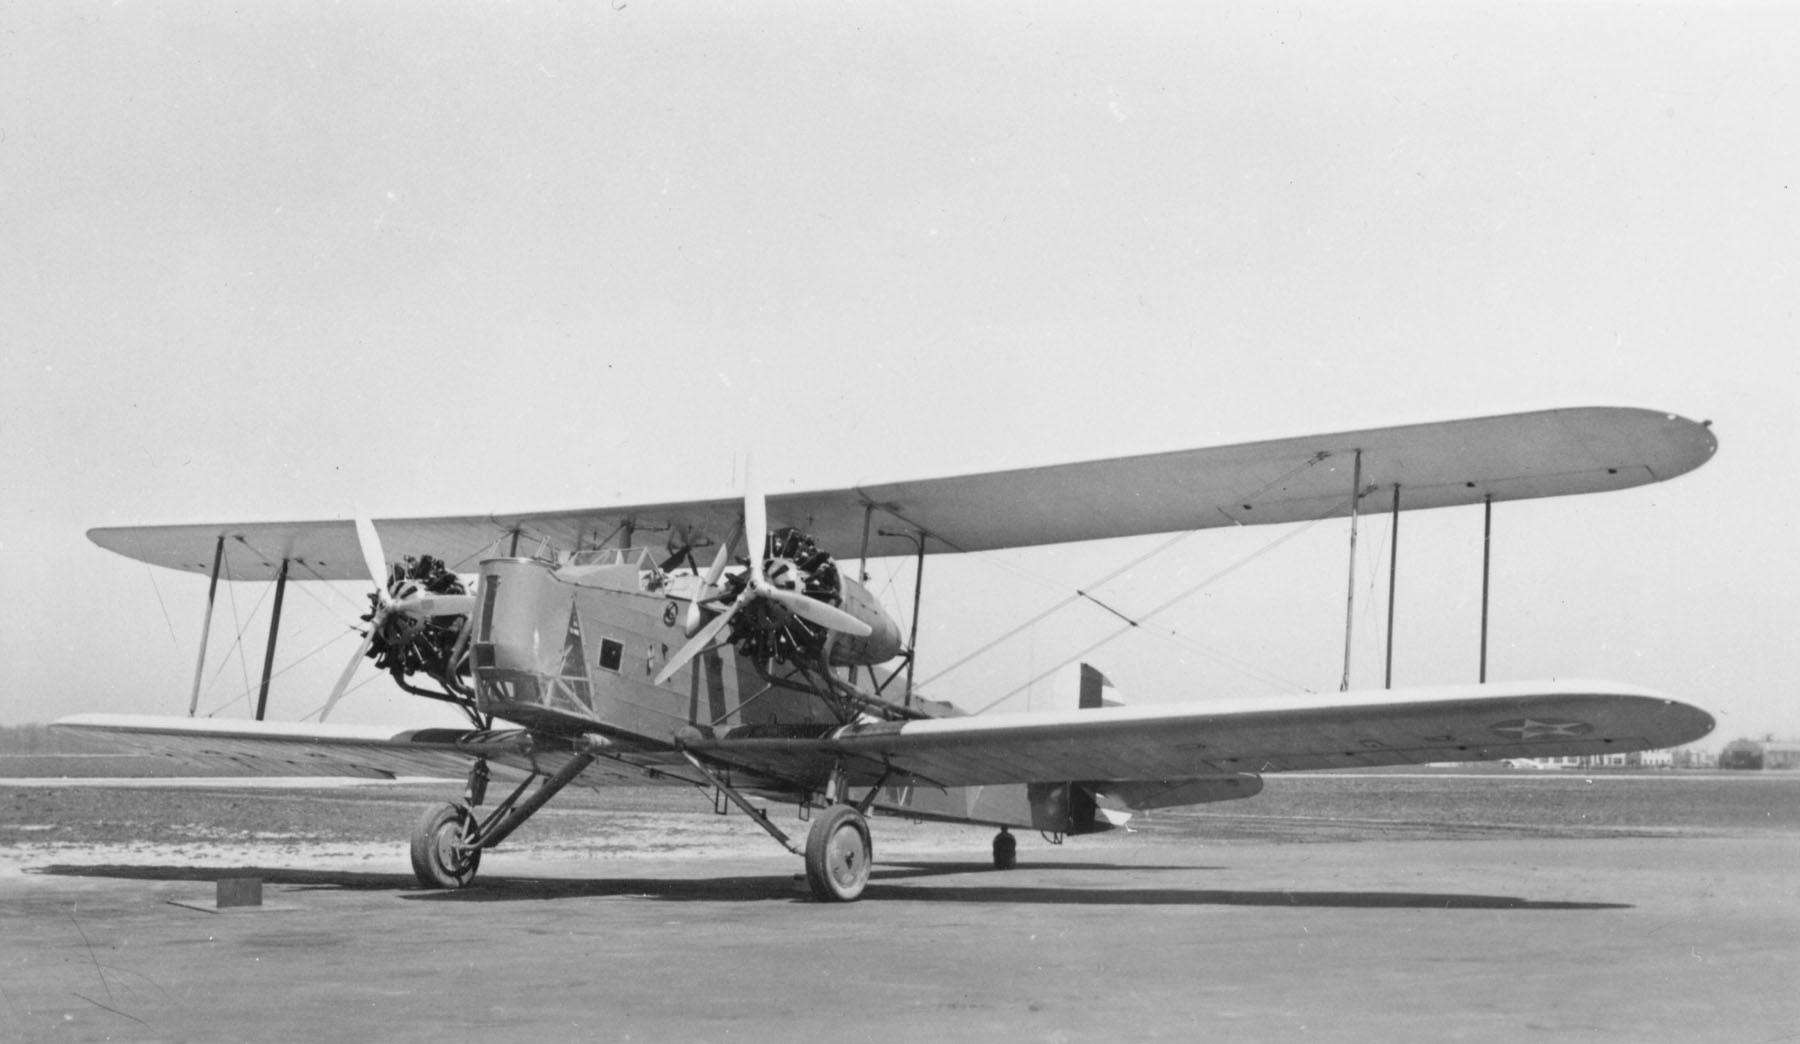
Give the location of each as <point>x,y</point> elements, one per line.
<point>1085,591</point>
<point>1132,625</point>
<point>331,586</point>
<point>1241,666</point>
<point>320,709</point>
<point>241,625</point>
<point>160,604</point>
<point>493,545</point>
<point>316,650</point>
<point>1377,580</point>
<point>237,642</point>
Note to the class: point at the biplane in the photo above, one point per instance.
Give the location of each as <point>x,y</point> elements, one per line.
<point>722,645</point>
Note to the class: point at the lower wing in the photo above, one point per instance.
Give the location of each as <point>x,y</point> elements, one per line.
<point>1159,744</point>
<point>210,746</point>
<point>1223,737</point>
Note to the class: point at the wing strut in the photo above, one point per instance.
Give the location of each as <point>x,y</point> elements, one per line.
<point>262,699</point>
<point>1487,544</point>
<point>862,570</point>
<point>212,594</point>
<point>1350,598</point>
<point>912,639</point>
<point>1393,578</point>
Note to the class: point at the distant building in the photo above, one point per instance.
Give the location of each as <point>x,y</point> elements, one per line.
<point>1680,757</point>
<point>1694,757</point>
<point>1741,754</point>
<point>1671,758</point>
<point>1768,753</point>
<point>1781,754</point>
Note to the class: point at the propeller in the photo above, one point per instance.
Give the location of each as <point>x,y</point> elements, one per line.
<point>396,596</point>
<point>709,589</point>
<point>757,587</point>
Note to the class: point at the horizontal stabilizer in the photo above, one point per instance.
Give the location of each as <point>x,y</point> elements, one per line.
<point>1142,795</point>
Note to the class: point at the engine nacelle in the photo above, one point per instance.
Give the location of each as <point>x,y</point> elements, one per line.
<point>793,562</point>
<point>880,645</point>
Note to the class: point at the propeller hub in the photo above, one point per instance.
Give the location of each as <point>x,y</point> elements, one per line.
<point>784,573</point>
<point>788,597</point>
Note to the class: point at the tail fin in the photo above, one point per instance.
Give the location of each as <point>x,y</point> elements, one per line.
<point>1077,807</point>
<point>1097,690</point>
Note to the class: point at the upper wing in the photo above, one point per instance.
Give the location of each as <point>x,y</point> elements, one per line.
<point>209,746</point>
<point>1512,457</point>
<point>1277,734</point>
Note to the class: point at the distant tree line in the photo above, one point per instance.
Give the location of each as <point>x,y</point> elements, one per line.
<point>38,739</point>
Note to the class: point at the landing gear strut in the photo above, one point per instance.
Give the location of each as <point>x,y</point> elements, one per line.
<point>838,853</point>
<point>838,850</point>
<point>447,842</point>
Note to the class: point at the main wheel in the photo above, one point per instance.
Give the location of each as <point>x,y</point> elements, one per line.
<point>438,859</point>
<point>1006,851</point>
<point>838,854</point>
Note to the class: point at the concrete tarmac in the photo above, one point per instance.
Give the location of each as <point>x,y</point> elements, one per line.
<point>1618,939</point>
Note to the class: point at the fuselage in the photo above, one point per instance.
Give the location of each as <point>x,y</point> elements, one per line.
<point>578,647</point>
<point>574,650</point>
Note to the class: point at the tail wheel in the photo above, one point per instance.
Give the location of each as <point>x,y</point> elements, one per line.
<point>438,858</point>
<point>1006,851</point>
<point>838,854</point>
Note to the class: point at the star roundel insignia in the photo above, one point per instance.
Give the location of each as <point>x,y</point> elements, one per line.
<point>1534,728</point>
<point>669,614</point>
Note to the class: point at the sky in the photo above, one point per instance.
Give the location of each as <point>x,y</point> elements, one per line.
<point>295,260</point>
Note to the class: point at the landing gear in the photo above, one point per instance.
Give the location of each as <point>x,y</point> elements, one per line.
<point>447,843</point>
<point>1006,850</point>
<point>838,853</point>
<point>440,857</point>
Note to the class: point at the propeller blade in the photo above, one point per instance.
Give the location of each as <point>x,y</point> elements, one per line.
<point>376,563</point>
<point>756,523</point>
<point>699,641</point>
<point>719,562</point>
<point>373,559</point>
<point>815,611</point>
<point>343,682</point>
<point>424,604</point>
<point>756,536</point>
<point>695,615</point>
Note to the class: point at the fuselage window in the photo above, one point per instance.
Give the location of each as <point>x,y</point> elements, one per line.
<point>611,654</point>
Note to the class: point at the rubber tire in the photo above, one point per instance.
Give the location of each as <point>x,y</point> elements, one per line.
<point>1006,851</point>
<point>838,855</point>
<point>435,861</point>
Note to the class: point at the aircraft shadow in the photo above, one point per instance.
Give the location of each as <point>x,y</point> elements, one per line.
<point>898,868</point>
<point>1053,896</point>
<point>992,888</point>
<point>304,879</point>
